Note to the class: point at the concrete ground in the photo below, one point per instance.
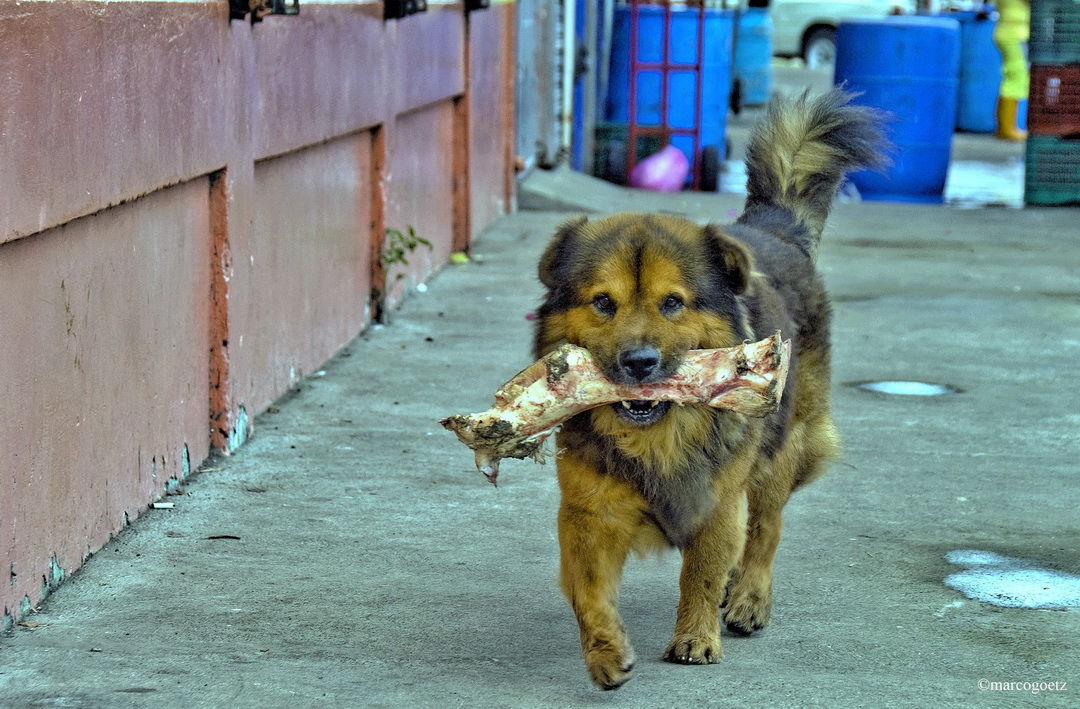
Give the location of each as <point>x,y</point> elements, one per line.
<point>351,556</point>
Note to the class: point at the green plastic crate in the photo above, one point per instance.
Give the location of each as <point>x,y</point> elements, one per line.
<point>1053,171</point>
<point>1055,32</point>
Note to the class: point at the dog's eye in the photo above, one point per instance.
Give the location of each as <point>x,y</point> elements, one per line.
<point>604,304</point>
<point>672,303</point>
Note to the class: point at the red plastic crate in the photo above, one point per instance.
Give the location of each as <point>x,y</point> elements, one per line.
<point>1054,101</point>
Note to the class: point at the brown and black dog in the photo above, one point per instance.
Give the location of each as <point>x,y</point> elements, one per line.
<point>638,291</point>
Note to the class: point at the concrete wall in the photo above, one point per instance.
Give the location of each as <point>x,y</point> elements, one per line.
<point>191,215</point>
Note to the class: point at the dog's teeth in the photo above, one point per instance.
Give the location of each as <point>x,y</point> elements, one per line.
<point>638,405</point>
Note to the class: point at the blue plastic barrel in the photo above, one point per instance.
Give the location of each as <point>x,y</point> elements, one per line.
<point>753,55</point>
<point>682,85</point>
<point>908,66</point>
<point>980,73</point>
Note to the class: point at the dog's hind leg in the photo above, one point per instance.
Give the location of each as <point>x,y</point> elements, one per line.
<point>750,604</point>
<point>599,518</point>
<point>808,449</point>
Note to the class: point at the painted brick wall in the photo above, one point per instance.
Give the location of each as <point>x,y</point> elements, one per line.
<point>191,212</point>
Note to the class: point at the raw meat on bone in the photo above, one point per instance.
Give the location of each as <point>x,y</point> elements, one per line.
<point>747,379</point>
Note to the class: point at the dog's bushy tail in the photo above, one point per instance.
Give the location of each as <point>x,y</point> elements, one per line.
<point>799,153</point>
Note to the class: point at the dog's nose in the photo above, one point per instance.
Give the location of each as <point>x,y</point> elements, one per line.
<point>640,363</point>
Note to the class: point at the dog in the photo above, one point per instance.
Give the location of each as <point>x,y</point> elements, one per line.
<point>640,290</point>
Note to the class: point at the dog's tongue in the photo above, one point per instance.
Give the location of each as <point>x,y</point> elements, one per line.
<point>748,379</point>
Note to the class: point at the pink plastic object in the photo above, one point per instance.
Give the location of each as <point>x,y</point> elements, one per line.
<point>664,171</point>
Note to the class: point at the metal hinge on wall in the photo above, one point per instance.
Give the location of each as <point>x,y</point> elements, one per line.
<point>258,9</point>
<point>396,9</point>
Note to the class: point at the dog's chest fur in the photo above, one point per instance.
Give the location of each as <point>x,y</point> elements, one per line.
<point>679,494</point>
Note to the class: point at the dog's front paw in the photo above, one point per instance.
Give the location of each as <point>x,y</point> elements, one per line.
<point>748,612</point>
<point>609,665</point>
<point>693,650</point>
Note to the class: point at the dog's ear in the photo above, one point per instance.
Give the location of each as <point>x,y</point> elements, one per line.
<point>731,258</point>
<point>559,250</point>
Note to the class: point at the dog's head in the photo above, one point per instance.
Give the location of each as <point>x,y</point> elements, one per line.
<point>638,291</point>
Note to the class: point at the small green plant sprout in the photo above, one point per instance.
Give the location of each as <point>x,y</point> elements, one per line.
<point>399,245</point>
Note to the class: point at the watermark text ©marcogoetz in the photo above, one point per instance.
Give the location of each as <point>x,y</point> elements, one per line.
<point>1032,687</point>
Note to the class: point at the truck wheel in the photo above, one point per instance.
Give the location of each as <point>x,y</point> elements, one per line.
<point>710,169</point>
<point>819,49</point>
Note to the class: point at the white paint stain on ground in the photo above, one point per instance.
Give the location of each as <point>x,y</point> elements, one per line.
<point>1012,583</point>
<point>975,184</point>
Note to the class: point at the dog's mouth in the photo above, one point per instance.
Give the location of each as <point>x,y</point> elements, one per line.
<point>641,413</point>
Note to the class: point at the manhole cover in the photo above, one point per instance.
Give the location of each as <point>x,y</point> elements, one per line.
<point>902,388</point>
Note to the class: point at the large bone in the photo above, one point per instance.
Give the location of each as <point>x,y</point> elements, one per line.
<point>748,379</point>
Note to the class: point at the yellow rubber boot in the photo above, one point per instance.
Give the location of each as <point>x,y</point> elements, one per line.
<point>1006,120</point>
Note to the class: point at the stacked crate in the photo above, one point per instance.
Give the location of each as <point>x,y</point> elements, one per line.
<point>1053,147</point>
